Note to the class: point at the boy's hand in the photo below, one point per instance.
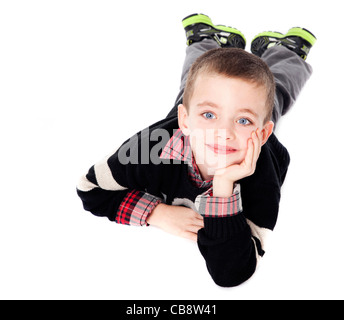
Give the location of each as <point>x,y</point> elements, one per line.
<point>224,178</point>
<point>180,221</point>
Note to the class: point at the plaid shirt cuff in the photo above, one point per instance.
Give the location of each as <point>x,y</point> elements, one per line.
<point>135,208</point>
<point>215,207</point>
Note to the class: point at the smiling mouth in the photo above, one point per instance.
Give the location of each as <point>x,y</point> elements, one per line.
<point>221,149</point>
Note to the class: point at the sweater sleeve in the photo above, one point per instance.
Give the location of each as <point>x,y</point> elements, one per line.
<point>226,241</point>
<point>232,245</point>
<point>99,192</point>
<point>119,189</point>
<point>228,248</point>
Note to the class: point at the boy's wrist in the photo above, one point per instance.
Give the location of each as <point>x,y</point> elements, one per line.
<point>153,217</point>
<point>222,188</point>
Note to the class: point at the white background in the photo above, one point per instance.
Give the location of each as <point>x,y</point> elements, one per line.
<point>77,78</point>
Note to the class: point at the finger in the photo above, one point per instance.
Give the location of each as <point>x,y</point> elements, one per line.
<point>195,216</point>
<point>198,216</point>
<point>257,147</point>
<point>190,235</point>
<point>255,143</point>
<point>260,142</point>
<point>249,153</point>
<point>197,223</point>
<point>194,228</point>
<point>260,137</point>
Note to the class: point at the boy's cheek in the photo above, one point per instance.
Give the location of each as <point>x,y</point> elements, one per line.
<point>226,161</point>
<point>240,158</point>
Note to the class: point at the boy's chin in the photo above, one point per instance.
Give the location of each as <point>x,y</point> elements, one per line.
<point>223,164</point>
<point>211,169</point>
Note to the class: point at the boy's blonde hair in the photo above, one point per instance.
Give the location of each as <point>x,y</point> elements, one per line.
<point>232,63</point>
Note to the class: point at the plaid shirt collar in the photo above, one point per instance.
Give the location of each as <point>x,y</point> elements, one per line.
<point>179,148</point>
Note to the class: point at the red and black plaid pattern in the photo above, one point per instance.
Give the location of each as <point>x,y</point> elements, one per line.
<point>135,208</point>
<point>195,176</point>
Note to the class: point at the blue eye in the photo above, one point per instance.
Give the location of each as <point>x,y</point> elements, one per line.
<point>209,115</point>
<point>244,121</point>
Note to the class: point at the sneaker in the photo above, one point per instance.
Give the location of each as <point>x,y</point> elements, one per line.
<point>199,26</point>
<point>299,40</point>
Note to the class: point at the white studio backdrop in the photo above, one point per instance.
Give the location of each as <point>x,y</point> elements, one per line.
<point>77,78</point>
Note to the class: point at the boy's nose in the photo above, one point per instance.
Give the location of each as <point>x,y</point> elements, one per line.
<point>226,134</point>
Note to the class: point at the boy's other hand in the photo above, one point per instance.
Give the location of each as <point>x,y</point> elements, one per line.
<point>225,178</point>
<point>180,221</point>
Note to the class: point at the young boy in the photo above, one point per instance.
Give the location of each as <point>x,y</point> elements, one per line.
<point>212,170</point>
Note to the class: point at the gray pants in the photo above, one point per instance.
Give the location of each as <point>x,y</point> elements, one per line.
<point>290,71</point>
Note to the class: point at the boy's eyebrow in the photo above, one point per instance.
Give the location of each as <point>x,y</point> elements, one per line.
<point>207,103</point>
<point>247,110</point>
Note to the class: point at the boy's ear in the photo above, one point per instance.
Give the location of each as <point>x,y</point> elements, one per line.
<point>267,131</point>
<point>183,120</point>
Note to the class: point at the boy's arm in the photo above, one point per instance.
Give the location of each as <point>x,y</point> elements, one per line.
<point>119,204</point>
<point>126,183</point>
<point>117,190</point>
<point>226,241</point>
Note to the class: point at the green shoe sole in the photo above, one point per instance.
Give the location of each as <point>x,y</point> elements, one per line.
<point>302,33</point>
<point>197,18</point>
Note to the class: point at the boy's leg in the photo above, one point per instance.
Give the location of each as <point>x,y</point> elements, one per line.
<point>291,73</point>
<point>285,55</point>
<point>192,53</point>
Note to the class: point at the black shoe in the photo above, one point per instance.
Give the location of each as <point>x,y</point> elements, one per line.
<point>297,39</point>
<point>199,26</point>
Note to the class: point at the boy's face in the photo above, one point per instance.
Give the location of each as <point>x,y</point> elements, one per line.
<point>223,113</point>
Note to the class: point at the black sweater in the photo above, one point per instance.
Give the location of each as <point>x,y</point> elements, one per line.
<point>231,246</point>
